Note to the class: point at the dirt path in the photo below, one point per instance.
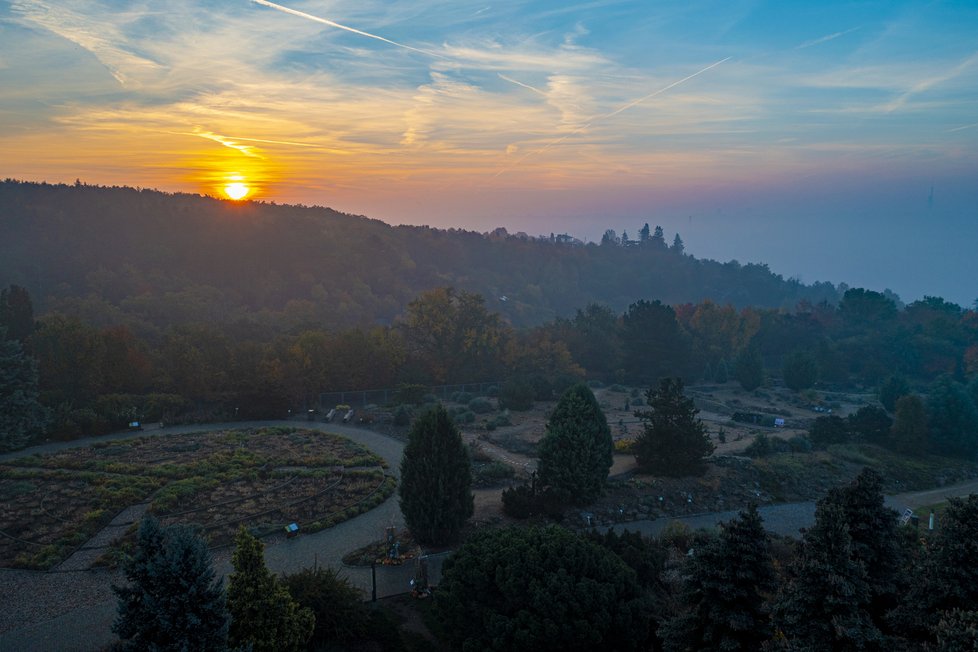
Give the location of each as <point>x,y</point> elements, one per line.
<point>73,611</point>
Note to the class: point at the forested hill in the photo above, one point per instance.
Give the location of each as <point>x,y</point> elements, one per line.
<point>123,255</point>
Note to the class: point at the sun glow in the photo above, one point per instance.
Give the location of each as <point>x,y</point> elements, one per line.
<point>236,190</point>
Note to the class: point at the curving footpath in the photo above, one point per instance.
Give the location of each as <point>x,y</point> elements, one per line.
<point>73,611</point>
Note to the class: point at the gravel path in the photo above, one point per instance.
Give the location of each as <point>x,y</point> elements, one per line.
<point>73,611</point>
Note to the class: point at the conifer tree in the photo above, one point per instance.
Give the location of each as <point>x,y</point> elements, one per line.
<point>947,576</point>
<point>673,441</point>
<point>724,590</point>
<point>436,479</point>
<point>909,432</point>
<point>749,369</point>
<point>264,616</point>
<point>824,604</point>
<point>875,542</point>
<point>576,453</point>
<point>172,602</point>
<point>22,417</point>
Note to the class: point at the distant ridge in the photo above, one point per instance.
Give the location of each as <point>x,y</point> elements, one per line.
<point>153,259</point>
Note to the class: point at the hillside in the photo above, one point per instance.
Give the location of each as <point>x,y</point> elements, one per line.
<point>152,259</point>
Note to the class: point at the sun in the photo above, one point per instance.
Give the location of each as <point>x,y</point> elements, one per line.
<point>236,190</point>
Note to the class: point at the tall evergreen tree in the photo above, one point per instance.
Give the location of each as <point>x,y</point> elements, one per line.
<point>16,313</point>
<point>875,541</point>
<point>653,343</point>
<point>952,419</point>
<point>749,369</point>
<point>658,239</point>
<point>644,234</point>
<point>799,370</point>
<point>22,417</point>
<point>673,440</point>
<point>172,602</point>
<point>576,453</point>
<point>909,431</point>
<point>891,390</point>
<point>823,606</point>
<point>724,589</point>
<point>436,479</point>
<point>677,245</point>
<point>264,616</point>
<point>947,576</point>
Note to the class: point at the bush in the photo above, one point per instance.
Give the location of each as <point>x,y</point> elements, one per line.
<point>461,397</point>
<point>465,416</point>
<point>402,415</point>
<point>492,391</point>
<point>828,430</point>
<point>526,500</point>
<point>481,405</point>
<point>762,446</point>
<point>516,395</point>
<point>337,605</point>
<point>800,444</point>
<point>408,393</point>
<point>492,473</point>
<point>595,384</point>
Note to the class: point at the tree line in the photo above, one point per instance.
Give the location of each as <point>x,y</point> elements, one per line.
<point>67,377</point>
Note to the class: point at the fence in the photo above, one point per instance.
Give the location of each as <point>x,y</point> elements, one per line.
<point>362,397</point>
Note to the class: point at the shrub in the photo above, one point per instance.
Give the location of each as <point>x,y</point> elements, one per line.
<point>465,416</point>
<point>461,397</point>
<point>492,391</point>
<point>492,473</point>
<point>828,430</point>
<point>402,415</point>
<point>480,405</point>
<point>516,395</point>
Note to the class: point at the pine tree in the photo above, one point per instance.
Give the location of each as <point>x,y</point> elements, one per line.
<point>16,313</point>
<point>263,614</point>
<point>947,576</point>
<point>677,245</point>
<point>658,239</point>
<point>749,369</point>
<point>644,234</point>
<point>173,601</point>
<point>436,479</point>
<point>673,441</point>
<point>891,390</point>
<point>22,417</point>
<point>875,541</point>
<point>824,604</point>
<point>576,453</point>
<point>723,591</point>
<point>909,432</point>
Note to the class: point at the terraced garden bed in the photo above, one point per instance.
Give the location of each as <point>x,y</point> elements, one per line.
<point>260,478</point>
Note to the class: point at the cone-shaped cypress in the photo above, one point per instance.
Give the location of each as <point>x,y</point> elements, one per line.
<point>436,479</point>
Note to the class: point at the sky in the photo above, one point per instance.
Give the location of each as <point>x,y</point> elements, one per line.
<point>834,141</point>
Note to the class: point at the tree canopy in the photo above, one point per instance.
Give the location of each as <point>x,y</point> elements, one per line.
<point>540,588</point>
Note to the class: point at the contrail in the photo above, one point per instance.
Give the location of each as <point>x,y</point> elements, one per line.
<point>325,21</point>
<point>519,83</point>
<point>605,116</point>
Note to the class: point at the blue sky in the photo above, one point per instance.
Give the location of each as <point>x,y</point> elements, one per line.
<point>805,135</point>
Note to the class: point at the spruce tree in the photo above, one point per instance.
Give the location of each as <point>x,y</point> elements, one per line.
<point>875,541</point>
<point>673,441</point>
<point>172,601</point>
<point>22,417</point>
<point>264,616</point>
<point>749,369</point>
<point>576,453</point>
<point>724,588</point>
<point>824,605</point>
<point>436,479</point>
<point>946,578</point>
<point>909,431</point>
